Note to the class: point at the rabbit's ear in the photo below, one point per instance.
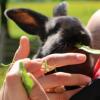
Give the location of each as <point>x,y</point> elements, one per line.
<point>30,21</point>
<point>60,9</point>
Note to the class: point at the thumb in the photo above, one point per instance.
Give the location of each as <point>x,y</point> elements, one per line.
<point>23,49</point>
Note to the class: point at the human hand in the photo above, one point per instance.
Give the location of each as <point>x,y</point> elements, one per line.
<point>45,82</point>
<point>13,88</point>
<point>60,78</point>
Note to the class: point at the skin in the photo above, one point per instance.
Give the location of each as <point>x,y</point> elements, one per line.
<point>93,26</point>
<point>14,90</point>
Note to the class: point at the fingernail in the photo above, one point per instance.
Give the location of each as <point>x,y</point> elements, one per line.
<point>88,79</point>
<point>81,57</point>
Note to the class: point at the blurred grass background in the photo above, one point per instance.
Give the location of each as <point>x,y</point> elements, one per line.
<point>81,9</point>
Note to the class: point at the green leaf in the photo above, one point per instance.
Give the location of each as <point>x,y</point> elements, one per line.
<point>5,65</point>
<point>87,49</point>
<point>27,81</point>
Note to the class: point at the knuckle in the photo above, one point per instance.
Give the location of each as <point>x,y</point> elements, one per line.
<point>11,79</point>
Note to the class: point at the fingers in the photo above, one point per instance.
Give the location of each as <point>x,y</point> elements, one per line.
<point>38,91</point>
<point>34,67</point>
<point>23,49</point>
<point>63,79</point>
<point>63,96</point>
<point>70,93</point>
<point>57,60</point>
<point>14,89</point>
<point>14,70</point>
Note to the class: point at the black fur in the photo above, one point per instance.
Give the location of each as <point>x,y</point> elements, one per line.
<point>59,34</point>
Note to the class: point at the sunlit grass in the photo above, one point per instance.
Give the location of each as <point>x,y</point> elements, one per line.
<point>44,8</point>
<point>82,10</point>
<point>2,74</point>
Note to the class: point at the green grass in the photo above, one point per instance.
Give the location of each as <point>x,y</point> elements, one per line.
<point>44,8</point>
<point>2,74</point>
<point>82,10</point>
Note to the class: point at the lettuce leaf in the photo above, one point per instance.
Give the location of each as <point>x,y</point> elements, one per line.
<point>27,81</point>
<point>87,49</point>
